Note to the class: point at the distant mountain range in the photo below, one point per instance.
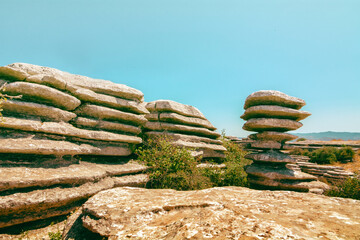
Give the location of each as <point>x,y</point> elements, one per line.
<point>329,135</point>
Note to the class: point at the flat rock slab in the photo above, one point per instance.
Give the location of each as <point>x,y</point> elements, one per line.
<point>274,112</point>
<point>293,185</point>
<point>88,95</point>
<point>106,125</point>
<point>65,129</point>
<point>171,106</point>
<point>43,94</point>
<point>21,71</point>
<point>75,174</point>
<point>218,213</point>
<point>266,144</point>
<point>197,131</point>
<point>274,136</point>
<point>271,157</point>
<point>100,112</point>
<point>271,97</point>
<point>188,138</point>
<point>15,107</point>
<point>271,124</point>
<point>20,208</point>
<point>265,171</point>
<point>177,118</point>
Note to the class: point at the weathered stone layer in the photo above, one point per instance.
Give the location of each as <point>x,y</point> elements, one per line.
<point>171,106</point>
<point>271,124</point>
<point>271,97</point>
<point>270,111</point>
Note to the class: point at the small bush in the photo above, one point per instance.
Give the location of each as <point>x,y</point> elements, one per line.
<point>326,155</point>
<point>55,235</point>
<point>171,166</point>
<point>329,155</point>
<point>300,139</point>
<point>300,151</point>
<point>345,153</point>
<point>349,188</point>
<point>234,173</point>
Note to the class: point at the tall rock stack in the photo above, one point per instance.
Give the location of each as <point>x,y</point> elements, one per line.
<point>60,115</point>
<point>186,126</point>
<point>271,114</point>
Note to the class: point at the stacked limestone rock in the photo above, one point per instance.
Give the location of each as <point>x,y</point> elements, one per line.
<point>185,125</point>
<point>58,116</point>
<point>272,114</point>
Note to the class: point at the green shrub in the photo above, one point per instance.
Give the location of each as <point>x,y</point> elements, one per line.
<point>300,139</point>
<point>55,235</point>
<point>234,173</point>
<point>326,155</point>
<point>300,151</point>
<point>344,154</point>
<point>171,166</point>
<point>349,188</point>
<point>329,155</point>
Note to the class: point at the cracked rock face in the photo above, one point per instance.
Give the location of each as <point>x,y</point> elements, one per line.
<point>271,114</point>
<point>216,213</point>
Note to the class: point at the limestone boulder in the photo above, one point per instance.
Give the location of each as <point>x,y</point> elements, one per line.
<point>161,126</point>
<point>20,71</point>
<point>277,173</point>
<point>66,129</point>
<point>271,157</point>
<point>171,106</point>
<point>90,96</point>
<point>271,97</point>
<point>179,119</point>
<point>100,112</point>
<point>42,94</point>
<point>21,108</point>
<point>184,137</point>
<point>216,213</point>
<point>106,125</point>
<point>271,124</point>
<point>266,144</point>
<point>273,136</point>
<point>271,111</point>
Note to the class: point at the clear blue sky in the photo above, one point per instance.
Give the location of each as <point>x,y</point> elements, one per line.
<point>206,53</point>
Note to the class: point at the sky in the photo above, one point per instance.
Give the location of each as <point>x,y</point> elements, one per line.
<point>210,54</point>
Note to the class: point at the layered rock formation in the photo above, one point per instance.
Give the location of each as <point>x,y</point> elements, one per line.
<point>82,115</point>
<point>271,114</point>
<point>216,213</point>
<point>59,116</point>
<point>185,125</point>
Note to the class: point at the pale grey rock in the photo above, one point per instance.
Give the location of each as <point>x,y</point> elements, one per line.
<point>106,125</point>
<point>171,106</point>
<point>266,144</point>
<point>97,85</point>
<point>217,213</point>
<point>184,137</point>
<point>271,97</point>
<point>271,124</point>
<point>65,129</point>
<point>15,107</point>
<point>280,173</point>
<point>20,208</point>
<point>179,119</point>
<point>44,94</point>
<point>75,174</point>
<point>88,95</point>
<point>10,73</point>
<point>100,112</point>
<point>60,148</point>
<point>158,126</point>
<point>270,156</point>
<point>264,111</point>
<point>273,136</point>
<point>293,185</point>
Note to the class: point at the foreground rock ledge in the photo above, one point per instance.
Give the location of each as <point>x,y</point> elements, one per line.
<point>216,213</point>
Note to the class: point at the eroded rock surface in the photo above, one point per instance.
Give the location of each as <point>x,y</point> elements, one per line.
<point>217,213</point>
